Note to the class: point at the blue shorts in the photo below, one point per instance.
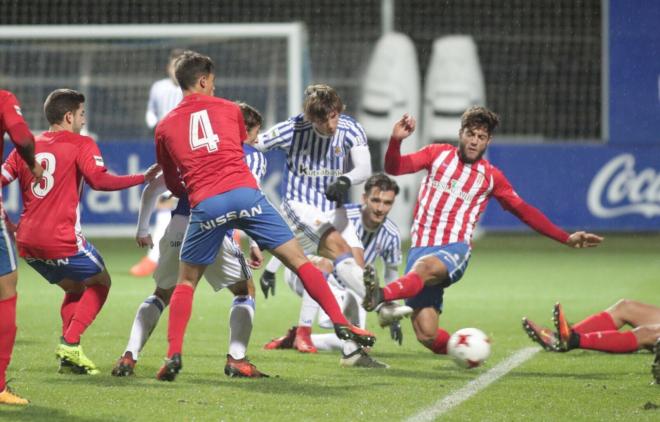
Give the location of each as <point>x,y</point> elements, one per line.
<point>7,251</point>
<point>79,267</point>
<point>455,256</point>
<point>243,208</point>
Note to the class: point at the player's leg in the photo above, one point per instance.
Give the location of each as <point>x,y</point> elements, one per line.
<point>8,282</point>
<point>287,340</point>
<point>633,313</point>
<point>425,325</point>
<point>309,309</point>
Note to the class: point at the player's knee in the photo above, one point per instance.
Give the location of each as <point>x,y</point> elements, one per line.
<point>164,294</point>
<point>647,335</point>
<point>621,308</point>
<point>430,270</point>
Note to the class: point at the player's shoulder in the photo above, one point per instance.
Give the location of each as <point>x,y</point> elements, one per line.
<point>390,227</point>
<point>7,96</point>
<point>298,122</point>
<point>249,149</point>
<point>352,208</point>
<point>349,124</point>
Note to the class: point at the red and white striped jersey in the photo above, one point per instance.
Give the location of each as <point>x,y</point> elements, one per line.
<point>453,196</point>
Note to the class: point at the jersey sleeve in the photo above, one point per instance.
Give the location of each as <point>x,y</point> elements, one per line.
<point>397,164</point>
<point>356,136</point>
<point>13,121</point>
<point>510,201</point>
<point>279,136</point>
<point>148,200</point>
<point>10,169</point>
<point>170,170</point>
<point>91,165</point>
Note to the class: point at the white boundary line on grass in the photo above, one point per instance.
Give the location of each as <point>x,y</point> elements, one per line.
<point>473,387</point>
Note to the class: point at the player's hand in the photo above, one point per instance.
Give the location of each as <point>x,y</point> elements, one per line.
<point>37,172</point>
<point>144,241</point>
<point>256,257</point>
<point>396,333</point>
<point>404,127</point>
<point>337,190</point>
<point>267,282</point>
<point>583,239</point>
<point>151,173</point>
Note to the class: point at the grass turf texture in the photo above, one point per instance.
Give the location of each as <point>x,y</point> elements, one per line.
<point>509,277</point>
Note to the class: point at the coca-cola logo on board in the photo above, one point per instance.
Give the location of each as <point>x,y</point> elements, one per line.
<point>618,189</point>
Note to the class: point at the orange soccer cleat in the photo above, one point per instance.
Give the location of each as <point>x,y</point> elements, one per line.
<point>284,342</point>
<point>144,268</point>
<point>242,368</point>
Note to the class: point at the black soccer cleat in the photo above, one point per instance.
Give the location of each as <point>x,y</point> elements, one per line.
<point>373,295</point>
<point>350,332</point>
<point>170,369</point>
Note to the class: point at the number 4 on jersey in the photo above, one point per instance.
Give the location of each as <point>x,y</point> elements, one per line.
<point>199,122</point>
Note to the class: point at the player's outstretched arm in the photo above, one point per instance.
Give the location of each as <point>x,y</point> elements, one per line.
<point>582,239</point>
<point>148,200</point>
<point>395,163</point>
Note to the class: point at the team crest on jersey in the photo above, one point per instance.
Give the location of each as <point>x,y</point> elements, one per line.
<point>338,151</point>
<point>274,133</point>
<point>99,160</point>
<point>18,110</point>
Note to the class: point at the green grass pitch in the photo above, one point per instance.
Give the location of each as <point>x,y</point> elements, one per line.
<point>509,277</point>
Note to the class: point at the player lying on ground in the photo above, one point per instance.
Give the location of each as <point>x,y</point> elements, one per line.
<point>12,123</point>
<point>451,199</point>
<point>380,238</point>
<point>49,235</point>
<point>199,143</point>
<point>229,270</point>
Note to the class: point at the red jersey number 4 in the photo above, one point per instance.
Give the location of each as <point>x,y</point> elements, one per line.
<point>200,124</point>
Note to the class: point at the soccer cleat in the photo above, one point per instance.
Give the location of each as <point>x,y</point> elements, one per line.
<point>350,332</point>
<point>170,368</point>
<point>284,342</point>
<point>9,397</point>
<point>361,359</point>
<point>655,368</point>
<point>391,312</point>
<point>303,341</point>
<point>125,366</point>
<point>373,295</point>
<point>543,336</point>
<point>564,330</point>
<point>67,367</point>
<point>242,368</point>
<point>73,354</point>
<point>144,268</point>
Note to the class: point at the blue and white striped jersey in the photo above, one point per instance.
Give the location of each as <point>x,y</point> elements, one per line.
<point>256,161</point>
<point>313,161</point>
<point>384,242</point>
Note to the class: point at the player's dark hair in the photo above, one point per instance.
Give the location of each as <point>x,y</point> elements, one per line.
<point>60,102</point>
<point>251,115</point>
<point>480,117</point>
<point>320,101</point>
<point>382,182</point>
<point>190,66</point>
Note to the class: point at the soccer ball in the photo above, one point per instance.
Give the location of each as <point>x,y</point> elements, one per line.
<point>469,347</point>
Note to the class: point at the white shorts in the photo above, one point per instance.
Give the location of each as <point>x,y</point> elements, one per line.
<point>309,224</point>
<point>229,267</point>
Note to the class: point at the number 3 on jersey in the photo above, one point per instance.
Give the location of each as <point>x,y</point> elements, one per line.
<point>199,122</point>
<point>48,162</point>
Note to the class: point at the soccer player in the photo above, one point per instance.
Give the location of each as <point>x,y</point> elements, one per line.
<point>164,95</point>
<point>11,122</point>
<point>229,270</point>
<point>451,199</point>
<point>199,143</point>
<point>380,238</point>
<point>49,236</point>
<point>327,152</point>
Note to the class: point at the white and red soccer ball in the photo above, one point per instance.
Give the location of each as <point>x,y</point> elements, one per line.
<point>469,347</point>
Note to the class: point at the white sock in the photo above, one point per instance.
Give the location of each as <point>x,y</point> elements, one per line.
<point>349,347</point>
<point>240,325</point>
<point>308,310</point>
<point>327,342</point>
<point>145,321</point>
<point>350,273</point>
<point>273,265</point>
<point>162,220</point>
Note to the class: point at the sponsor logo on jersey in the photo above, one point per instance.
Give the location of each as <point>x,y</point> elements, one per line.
<point>232,215</point>
<point>98,160</point>
<point>18,110</point>
<point>322,172</point>
<point>452,189</point>
<point>618,189</point>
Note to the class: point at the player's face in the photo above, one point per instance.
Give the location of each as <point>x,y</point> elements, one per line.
<point>78,119</point>
<point>252,135</point>
<point>328,126</point>
<point>472,143</point>
<point>378,204</point>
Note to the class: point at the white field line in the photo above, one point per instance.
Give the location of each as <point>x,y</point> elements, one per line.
<point>447,403</point>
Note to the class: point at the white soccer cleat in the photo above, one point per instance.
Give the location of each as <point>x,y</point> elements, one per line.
<point>391,312</point>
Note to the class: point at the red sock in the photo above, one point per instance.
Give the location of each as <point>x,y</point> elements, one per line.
<point>68,308</point>
<point>609,341</point>
<point>439,345</point>
<point>317,287</point>
<point>597,322</point>
<point>180,311</point>
<point>407,286</point>
<point>7,335</point>
<point>89,306</point>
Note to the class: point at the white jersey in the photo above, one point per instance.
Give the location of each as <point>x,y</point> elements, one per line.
<point>384,242</point>
<point>256,161</point>
<point>163,97</point>
<point>315,161</point>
